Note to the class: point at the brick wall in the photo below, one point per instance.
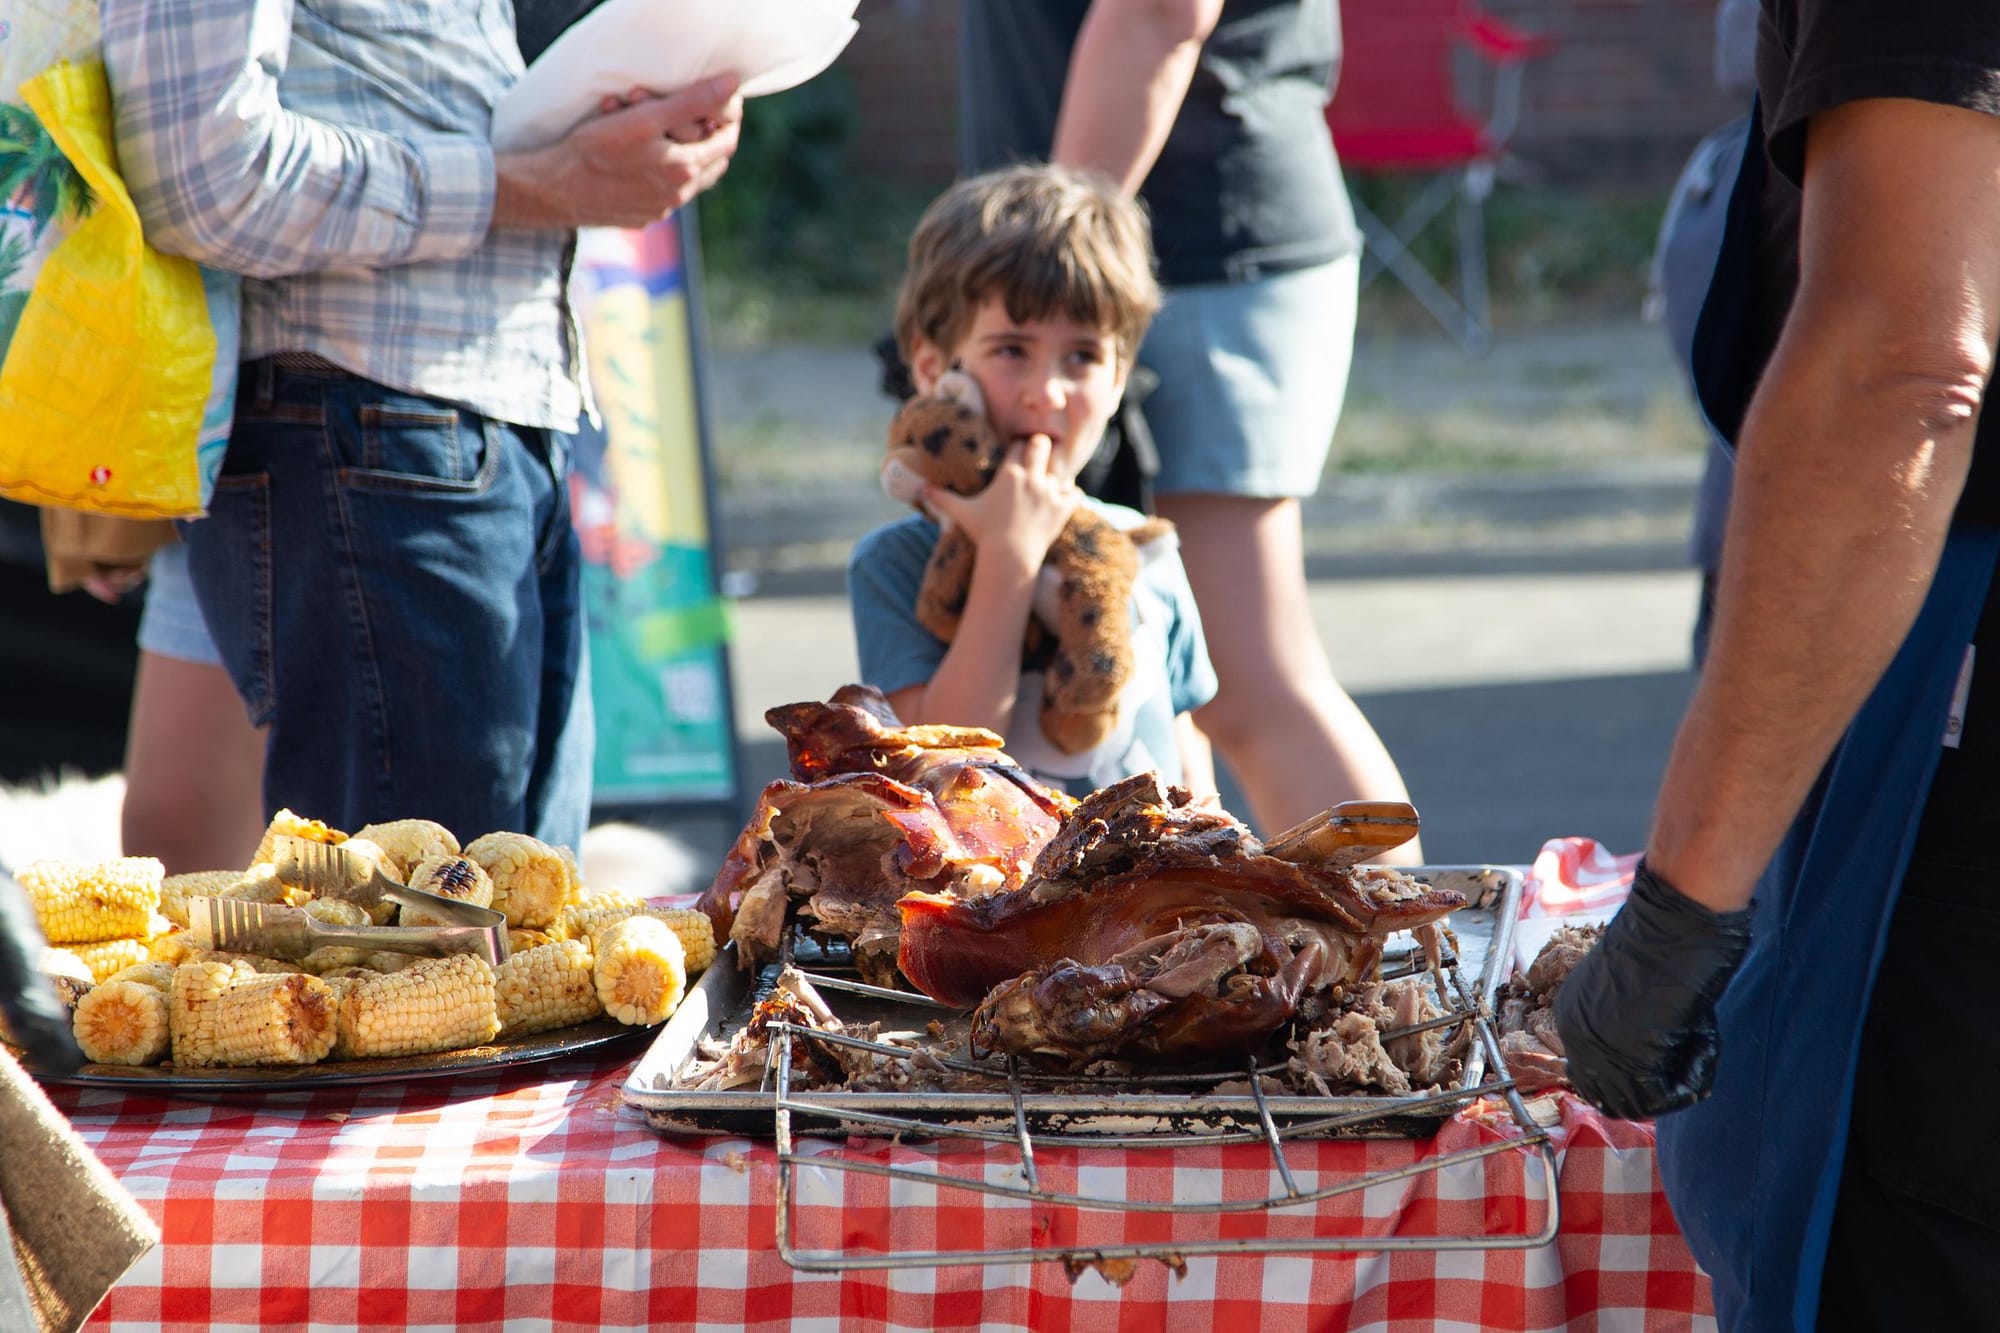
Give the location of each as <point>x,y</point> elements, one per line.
<point>1623,97</point>
<point>901,64</point>
<point>1627,91</point>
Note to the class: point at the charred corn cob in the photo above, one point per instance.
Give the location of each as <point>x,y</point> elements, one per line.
<point>456,877</point>
<point>77,902</point>
<point>66,974</point>
<point>229,1014</point>
<point>387,960</point>
<point>106,958</point>
<point>553,986</point>
<point>276,967</point>
<point>172,947</point>
<point>372,855</point>
<point>641,970</point>
<point>574,891</point>
<point>155,973</point>
<point>335,912</point>
<point>440,1004</point>
<point>530,879</point>
<point>123,1023</point>
<point>520,941</point>
<point>260,885</point>
<point>175,890</point>
<point>583,920</point>
<point>409,843</point>
<point>286,823</point>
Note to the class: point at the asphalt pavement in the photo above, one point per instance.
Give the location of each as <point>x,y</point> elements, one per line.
<point>1520,638</point>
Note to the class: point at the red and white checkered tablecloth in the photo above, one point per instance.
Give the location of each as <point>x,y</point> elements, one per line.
<point>530,1199</point>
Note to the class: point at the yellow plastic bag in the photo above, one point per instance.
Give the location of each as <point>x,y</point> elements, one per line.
<point>108,375</point>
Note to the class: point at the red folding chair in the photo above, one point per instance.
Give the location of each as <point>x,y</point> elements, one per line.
<point>1397,112</point>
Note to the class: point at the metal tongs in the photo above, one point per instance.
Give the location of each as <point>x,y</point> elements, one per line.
<point>326,871</point>
<point>1346,835</point>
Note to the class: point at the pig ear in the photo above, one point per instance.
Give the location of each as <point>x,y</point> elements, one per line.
<point>959,387</point>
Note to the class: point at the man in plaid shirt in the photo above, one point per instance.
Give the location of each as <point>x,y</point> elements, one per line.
<point>387,567</point>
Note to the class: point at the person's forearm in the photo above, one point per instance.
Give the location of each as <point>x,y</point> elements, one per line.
<point>980,677</point>
<point>1844,492</point>
<point>1197,758</point>
<point>224,174</point>
<point>1128,74</point>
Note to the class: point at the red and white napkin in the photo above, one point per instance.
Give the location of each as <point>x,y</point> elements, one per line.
<point>1573,882</point>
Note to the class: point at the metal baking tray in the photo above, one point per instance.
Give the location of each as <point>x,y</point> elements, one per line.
<point>1141,1109</point>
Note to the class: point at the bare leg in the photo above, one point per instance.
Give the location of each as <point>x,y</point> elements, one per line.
<point>1288,731</point>
<point>194,769</point>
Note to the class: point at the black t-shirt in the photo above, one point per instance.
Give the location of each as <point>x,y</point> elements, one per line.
<point>1812,56</point>
<point>539,22</point>
<point>1247,183</point>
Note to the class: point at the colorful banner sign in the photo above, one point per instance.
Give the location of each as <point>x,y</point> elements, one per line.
<point>639,495</point>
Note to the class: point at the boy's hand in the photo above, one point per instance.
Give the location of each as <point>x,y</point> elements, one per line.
<point>1021,512</point>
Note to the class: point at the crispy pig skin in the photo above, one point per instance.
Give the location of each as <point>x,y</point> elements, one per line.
<point>1137,860</point>
<point>956,950</point>
<point>877,810</point>
<point>1177,998</point>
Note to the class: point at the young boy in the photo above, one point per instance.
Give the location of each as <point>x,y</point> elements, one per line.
<point>1037,281</point>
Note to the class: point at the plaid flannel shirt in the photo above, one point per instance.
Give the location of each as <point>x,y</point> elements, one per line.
<point>335,152</point>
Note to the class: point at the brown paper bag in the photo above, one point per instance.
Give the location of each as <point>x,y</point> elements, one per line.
<point>76,1229</point>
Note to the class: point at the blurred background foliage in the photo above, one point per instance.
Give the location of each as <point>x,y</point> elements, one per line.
<point>798,247</point>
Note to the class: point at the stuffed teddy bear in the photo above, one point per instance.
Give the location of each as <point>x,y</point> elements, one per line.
<point>1083,598</point>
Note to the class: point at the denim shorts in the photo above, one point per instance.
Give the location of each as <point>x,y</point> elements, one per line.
<point>170,623</point>
<point>1252,378</point>
<point>395,588</point>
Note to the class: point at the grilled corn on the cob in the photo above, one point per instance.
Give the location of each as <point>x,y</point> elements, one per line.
<point>439,1004</point>
<point>409,843</point>
<point>123,1022</point>
<point>336,913</point>
<point>298,826</point>
<point>641,970</point>
<point>260,884</point>
<point>552,986</point>
<point>581,921</point>
<point>155,973</point>
<point>448,877</point>
<point>230,1014</point>
<point>575,890</point>
<point>106,958</point>
<point>175,890</point>
<point>530,878</point>
<point>77,902</point>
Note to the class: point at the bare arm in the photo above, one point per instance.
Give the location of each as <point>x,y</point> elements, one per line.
<point>1197,759</point>
<point>1128,74</point>
<point>223,172</point>
<point>1854,453</point>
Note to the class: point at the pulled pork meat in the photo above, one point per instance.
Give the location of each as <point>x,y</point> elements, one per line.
<point>1527,1018</point>
<point>1345,1052</point>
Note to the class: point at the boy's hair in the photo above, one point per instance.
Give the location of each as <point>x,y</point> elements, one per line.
<point>1047,240</point>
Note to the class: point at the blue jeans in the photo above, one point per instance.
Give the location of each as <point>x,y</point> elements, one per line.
<point>394,586</point>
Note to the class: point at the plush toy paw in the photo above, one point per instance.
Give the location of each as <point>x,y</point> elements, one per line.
<point>944,439</point>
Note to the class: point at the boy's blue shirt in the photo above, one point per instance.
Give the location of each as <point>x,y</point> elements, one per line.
<point>1171,670</point>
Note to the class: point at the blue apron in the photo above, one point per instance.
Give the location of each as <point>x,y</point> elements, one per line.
<point>1753,1172</point>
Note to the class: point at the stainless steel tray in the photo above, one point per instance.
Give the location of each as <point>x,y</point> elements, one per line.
<point>1138,1109</point>
<point>1152,1112</point>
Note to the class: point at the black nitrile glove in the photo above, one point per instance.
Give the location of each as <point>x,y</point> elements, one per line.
<point>1637,1015</point>
<point>34,1016</point>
